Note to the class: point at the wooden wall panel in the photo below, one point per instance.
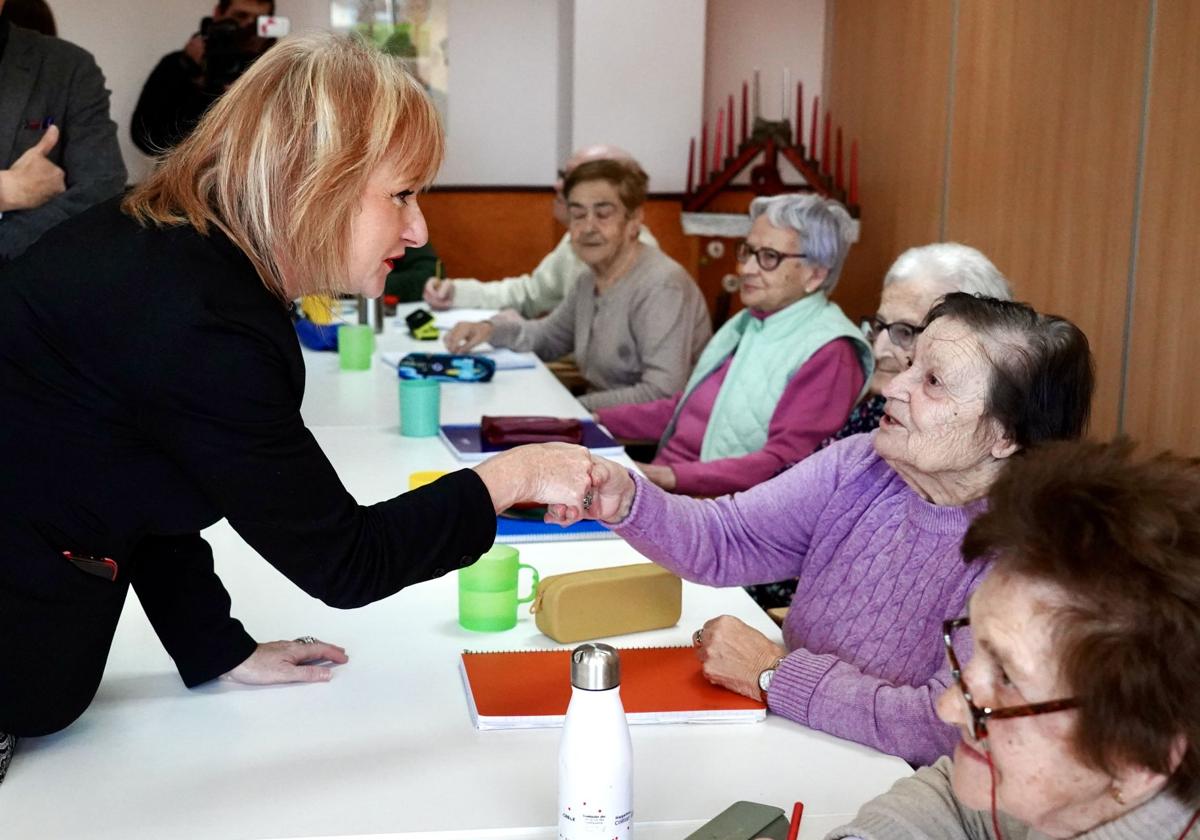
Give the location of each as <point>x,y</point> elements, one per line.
<point>489,234</point>
<point>1162,399</point>
<point>1043,160</point>
<point>889,68</point>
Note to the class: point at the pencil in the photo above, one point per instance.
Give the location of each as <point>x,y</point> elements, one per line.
<point>797,815</point>
<point>439,273</point>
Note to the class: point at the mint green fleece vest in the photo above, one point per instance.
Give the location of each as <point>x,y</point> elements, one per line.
<point>769,351</point>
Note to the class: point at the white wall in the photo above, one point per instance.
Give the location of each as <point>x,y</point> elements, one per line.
<point>639,81</point>
<point>503,103</point>
<point>529,79</point>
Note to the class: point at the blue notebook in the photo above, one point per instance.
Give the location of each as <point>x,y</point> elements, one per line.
<point>531,530</point>
<point>465,441</point>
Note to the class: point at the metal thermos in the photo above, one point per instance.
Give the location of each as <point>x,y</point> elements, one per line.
<point>370,311</point>
<point>595,756</point>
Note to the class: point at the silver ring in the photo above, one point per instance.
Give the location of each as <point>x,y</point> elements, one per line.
<point>587,500</point>
<point>306,640</point>
<point>698,637</point>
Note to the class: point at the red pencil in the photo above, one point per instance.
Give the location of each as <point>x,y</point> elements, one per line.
<point>794,828</point>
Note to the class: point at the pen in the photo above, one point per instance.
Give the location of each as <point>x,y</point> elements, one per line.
<point>439,273</point>
<point>794,828</point>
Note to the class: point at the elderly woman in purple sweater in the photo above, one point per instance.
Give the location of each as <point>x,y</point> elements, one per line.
<point>871,526</point>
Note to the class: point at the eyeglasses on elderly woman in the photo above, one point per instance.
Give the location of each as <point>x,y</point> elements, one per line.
<point>902,334</point>
<point>768,258</point>
<point>981,716</point>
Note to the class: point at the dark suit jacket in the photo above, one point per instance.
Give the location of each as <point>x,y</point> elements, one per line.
<point>150,386</point>
<point>40,78</point>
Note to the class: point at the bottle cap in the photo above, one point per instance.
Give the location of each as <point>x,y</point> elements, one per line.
<point>595,667</point>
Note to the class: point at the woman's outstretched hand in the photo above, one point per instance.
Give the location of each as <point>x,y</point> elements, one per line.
<point>557,475</point>
<point>612,491</point>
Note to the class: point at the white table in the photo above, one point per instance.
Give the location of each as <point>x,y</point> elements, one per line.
<point>386,749</point>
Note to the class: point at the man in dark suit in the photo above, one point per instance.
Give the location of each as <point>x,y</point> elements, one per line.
<point>58,147</point>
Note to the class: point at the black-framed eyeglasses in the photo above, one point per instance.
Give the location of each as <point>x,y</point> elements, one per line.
<point>981,716</point>
<point>902,334</point>
<point>768,258</point>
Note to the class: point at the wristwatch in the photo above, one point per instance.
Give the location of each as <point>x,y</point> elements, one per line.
<point>766,675</point>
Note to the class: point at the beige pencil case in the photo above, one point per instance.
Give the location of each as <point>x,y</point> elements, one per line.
<point>596,603</point>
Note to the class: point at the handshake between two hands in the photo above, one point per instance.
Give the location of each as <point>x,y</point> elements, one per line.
<point>573,483</point>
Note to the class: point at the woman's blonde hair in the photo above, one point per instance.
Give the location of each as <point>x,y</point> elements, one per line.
<point>280,162</point>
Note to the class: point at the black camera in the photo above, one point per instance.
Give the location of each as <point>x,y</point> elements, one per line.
<point>229,50</point>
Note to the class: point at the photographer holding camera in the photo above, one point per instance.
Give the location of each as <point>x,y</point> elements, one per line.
<point>186,82</point>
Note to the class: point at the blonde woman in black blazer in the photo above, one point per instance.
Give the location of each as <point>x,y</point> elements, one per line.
<point>151,382</point>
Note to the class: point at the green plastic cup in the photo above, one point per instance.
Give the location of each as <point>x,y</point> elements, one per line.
<point>356,344</point>
<point>487,590</point>
<point>420,407</point>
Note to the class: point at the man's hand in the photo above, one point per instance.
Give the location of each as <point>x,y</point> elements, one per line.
<point>467,334</point>
<point>33,179</point>
<point>733,654</point>
<point>439,293</point>
<point>288,662</point>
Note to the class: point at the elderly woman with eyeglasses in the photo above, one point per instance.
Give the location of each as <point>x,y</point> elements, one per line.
<point>916,281</point>
<point>1077,713</point>
<point>778,377</point>
<point>635,320</point>
<point>871,526</point>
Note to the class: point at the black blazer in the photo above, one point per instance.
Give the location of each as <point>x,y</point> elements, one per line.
<point>41,79</point>
<point>150,386</point>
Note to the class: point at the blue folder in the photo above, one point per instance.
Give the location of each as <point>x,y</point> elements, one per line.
<point>531,530</point>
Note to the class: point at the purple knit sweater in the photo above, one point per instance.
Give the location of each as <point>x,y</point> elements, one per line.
<point>879,569</point>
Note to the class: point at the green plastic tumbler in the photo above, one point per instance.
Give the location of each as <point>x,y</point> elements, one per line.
<point>420,407</point>
<point>356,343</point>
<point>487,590</point>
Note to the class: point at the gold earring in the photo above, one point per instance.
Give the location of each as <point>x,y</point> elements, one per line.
<point>1117,795</point>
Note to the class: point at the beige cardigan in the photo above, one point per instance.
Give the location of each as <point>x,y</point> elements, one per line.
<point>635,343</point>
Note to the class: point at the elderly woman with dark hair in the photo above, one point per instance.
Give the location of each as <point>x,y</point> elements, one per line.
<point>636,320</point>
<point>777,377</point>
<point>1077,713</point>
<point>918,279</point>
<point>871,526</point>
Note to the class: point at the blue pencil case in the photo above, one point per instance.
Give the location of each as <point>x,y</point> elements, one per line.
<point>446,367</point>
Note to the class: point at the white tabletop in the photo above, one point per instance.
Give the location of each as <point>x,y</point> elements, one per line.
<point>386,749</point>
<point>333,397</point>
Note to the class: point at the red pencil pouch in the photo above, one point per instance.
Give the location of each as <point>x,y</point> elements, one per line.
<point>510,431</point>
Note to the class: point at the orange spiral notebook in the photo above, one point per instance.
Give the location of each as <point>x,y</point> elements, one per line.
<point>531,688</point>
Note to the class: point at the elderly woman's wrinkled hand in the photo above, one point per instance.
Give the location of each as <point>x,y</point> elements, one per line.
<point>438,293</point>
<point>611,493</point>
<point>468,334</point>
<point>288,662</point>
<point>557,475</point>
<point>733,654</point>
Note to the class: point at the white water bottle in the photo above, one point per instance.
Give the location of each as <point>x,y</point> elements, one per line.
<point>595,757</point>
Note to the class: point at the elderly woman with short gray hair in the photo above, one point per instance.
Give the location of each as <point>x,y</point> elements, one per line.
<point>778,377</point>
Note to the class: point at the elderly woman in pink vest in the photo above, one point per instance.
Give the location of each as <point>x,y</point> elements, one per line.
<point>778,377</point>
